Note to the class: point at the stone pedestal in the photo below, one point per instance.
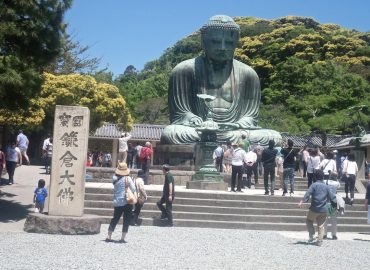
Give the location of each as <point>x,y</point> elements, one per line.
<point>174,155</point>
<point>206,175</point>
<point>360,160</point>
<point>39,223</point>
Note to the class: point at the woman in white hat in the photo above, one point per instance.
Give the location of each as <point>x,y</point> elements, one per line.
<point>121,181</point>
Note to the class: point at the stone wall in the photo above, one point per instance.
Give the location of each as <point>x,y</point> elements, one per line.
<point>156,177</point>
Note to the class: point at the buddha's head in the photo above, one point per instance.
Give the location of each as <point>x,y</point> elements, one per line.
<point>220,37</point>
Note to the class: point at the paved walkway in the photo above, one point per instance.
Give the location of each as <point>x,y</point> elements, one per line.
<point>16,200</point>
<point>158,247</point>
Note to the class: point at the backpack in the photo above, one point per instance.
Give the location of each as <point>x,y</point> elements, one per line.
<point>143,155</point>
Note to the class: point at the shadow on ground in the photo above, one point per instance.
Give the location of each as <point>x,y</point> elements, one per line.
<point>305,243</point>
<point>11,211</point>
<point>363,240</point>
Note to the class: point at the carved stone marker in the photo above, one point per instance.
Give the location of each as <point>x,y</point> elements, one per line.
<point>67,181</point>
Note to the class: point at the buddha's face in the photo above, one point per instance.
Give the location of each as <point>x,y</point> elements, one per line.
<point>219,45</point>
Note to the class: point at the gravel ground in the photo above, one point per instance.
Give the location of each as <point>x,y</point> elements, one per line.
<point>182,248</point>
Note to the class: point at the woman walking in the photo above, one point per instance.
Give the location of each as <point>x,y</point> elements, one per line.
<point>329,167</point>
<point>13,159</point>
<point>350,171</point>
<point>121,181</point>
<point>141,195</point>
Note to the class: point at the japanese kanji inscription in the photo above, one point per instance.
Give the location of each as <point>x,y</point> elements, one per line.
<point>67,184</point>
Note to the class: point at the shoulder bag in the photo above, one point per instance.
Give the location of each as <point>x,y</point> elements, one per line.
<point>131,197</point>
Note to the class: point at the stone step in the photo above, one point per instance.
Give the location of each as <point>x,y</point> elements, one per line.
<point>221,203</point>
<point>300,185</point>
<point>260,182</point>
<point>240,225</point>
<point>250,210</point>
<point>196,194</point>
<point>108,202</point>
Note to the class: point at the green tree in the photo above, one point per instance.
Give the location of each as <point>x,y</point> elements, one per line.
<point>104,100</point>
<point>73,58</point>
<point>30,39</point>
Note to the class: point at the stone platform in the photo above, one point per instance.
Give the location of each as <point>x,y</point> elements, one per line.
<point>249,209</point>
<point>207,185</point>
<point>40,223</point>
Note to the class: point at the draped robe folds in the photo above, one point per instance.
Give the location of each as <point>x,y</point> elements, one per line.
<point>190,78</point>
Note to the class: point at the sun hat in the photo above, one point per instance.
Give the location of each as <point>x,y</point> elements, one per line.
<point>122,169</point>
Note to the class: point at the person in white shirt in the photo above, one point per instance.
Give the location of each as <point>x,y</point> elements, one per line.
<point>251,167</point>
<point>22,143</point>
<point>313,163</point>
<point>239,157</point>
<point>13,158</point>
<point>280,169</point>
<point>137,161</point>
<point>329,167</point>
<point>45,151</point>
<point>305,156</point>
<point>123,147</point>
<point>49,155</point>
<point>332,217</point>
<point>350,171</point>
<point>218,155</point>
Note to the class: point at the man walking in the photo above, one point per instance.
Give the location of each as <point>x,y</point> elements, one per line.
<point>288,165</point>
<point>219,154</point>
<point>320,193</point>
<point>167,196</point>
<point>268,160</point>
<point>238,159</point>
<point>122,147</point>
<point>22,143</point>
<point>45,151</point>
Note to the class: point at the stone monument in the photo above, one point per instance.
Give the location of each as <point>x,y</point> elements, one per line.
<point>234,86</point>
<point>67,180</point>
<point>214,98</point>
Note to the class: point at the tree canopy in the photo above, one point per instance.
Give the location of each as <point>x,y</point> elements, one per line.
<point>104,100</point>
<point>311,74</point>
<point>30,39</point>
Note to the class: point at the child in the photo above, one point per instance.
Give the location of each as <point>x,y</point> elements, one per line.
<point>40,195</point>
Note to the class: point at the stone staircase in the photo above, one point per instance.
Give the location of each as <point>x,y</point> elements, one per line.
<point>218,209</point>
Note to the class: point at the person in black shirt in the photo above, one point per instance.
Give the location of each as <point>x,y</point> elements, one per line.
<point>168,195</point>
<point>288,165</point>
<point>268,160</point>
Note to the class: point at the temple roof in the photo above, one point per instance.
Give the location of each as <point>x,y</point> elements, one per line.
<point>140,132</point>
<point>349,142</point>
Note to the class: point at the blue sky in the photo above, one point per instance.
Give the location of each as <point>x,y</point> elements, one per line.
<point>124,33</point>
